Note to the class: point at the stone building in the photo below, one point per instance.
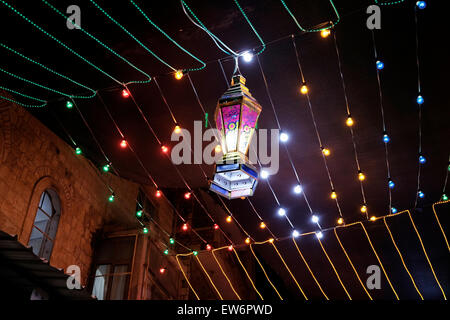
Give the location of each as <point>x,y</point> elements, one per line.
<point>55,217</point>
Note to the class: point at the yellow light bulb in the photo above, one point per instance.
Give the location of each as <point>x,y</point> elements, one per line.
<point>247,241</point>
<point>333,195</point>
<point>304,89</point>
<point>229,219</point>
<point>361,176</point>
<point>364,209</point>
<point>179,74</point>
<point>271,240</point>
<point>262,225</point>
<point>326,152</point>
<point>177,129</point>
<point>372,218</point>
<point>349,121</point>
<point>340,221</point>
<point>325,33</point>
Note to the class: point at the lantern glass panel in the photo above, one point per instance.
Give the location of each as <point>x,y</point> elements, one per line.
<point>231,121</point>
<point>248,122</point>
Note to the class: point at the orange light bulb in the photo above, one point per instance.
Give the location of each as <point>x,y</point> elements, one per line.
<point>177,129</point>
<point>326,152</point>
<point>349,121</point>
<point>247,241</point>
<point>229,219</point>
<point>364,209</point>
<point>325,33</point>
<point>179,74</point>
<point>262,225</point>
<point>304,89</point>
<point>333,195</point>
<point>340,221</point>
<point>361,176</point>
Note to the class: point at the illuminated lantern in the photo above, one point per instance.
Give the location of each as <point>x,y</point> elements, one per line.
<point>236,115</point>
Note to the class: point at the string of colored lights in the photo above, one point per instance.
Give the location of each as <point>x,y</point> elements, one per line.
<point>444,196</point>
<point>388,3</point>
<point>351,264</point>
<point>401,258</point>
<point>262,268</point>
<point>158,192</point>
<point>44,103</point>
<point>17,53</point>
<point>332,24</point>
<point>194,89</point>
<point>379,260</point>
<point>309,269</point>
<point>297,188</point>
<point>106,168</point>
<point>223,271</point>
<point>380,66</point>
<point>334,268</point>
<point>439,223</point>
<point>325,152</point>
<point>216,40</point>
<point>208,276</point>
<point>420,101</point>
<point>350,122</point>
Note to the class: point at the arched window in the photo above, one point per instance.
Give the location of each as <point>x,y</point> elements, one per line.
<point>45,224</point>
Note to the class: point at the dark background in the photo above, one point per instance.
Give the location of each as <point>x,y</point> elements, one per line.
<point>396,47</point>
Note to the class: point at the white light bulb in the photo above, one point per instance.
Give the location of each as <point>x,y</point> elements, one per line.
<point>298,189</point>
<point>264,174</point>
<point>315,219</point>
<point>319,235</point>
<point>295,233</point>
<point>284,137</point>
<point>281,212</point>
<point>248,56</point>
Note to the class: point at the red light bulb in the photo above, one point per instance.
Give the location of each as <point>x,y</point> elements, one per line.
<point>123,144</point>
<point>125,93</point>
<point>216,226</point>
<point>208,247</point>
<point>158,193</point>
<point>187,195</point>
<point>164,149</point>
<point>230,248</point>
<point>162,270</point>
<point>184,227</point>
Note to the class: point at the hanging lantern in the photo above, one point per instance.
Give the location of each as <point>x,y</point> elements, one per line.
<point>236,115</point>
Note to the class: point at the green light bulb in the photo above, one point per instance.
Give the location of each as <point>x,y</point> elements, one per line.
<point>111,198</point>
<point>139,213</point>
<point>145,230</point>
<point>444,197</point>
<point>171,240</point>
<point>195,253</point>
<point>106,167</point>
<point>166,252</point>
<point>78,150</point>
<point>69,105</point>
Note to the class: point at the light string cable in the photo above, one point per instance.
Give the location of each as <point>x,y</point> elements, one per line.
<point>323,150</point>
<point>145,169</point>
<point>420,102</point>
<point>102,44</point>
<point>294,169</point>
<point>184,274</point>
<point>246,273</point>
<point>203,64</point>
<point>444,196</point>
<point>439,223</point>
<point>199,165</point>
<point>401,258</point>
<point>43,102</point>
<point>109,163</point>
<point>175,166</point>
<point>223,271</point>
<point>425,253</point>
<point>379,66</point>
<point>208,276</point>
<point>309,268</point>
<point>388,3</point>
<point>332,24</point>
<point>59,42</point>
<point>194,89</point>
<point>222,46</point>
<point>351,263</point>
<point>361,176</point>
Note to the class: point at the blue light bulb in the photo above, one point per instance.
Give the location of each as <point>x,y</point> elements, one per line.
<point>393,210</point>
<point>421,194</point>
<point>421,4</point>
<point>422,159</point>
<point>386,138</point>
<point>380,65</point>
<point>420,100</point>
<point>391,184</point>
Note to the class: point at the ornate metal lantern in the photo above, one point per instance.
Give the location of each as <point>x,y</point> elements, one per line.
<point>236,115</point>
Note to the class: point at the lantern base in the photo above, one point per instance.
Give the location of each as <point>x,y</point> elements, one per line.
<point>234,177</point>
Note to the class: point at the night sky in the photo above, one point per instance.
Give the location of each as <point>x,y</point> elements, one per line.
<point>396,48</point>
